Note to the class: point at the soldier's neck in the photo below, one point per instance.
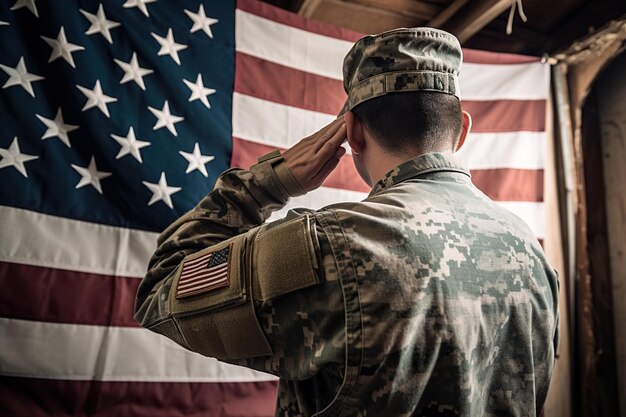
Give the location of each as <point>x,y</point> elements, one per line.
<point>380,161</point>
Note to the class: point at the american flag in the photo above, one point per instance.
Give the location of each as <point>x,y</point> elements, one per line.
<point>204,273</point>
<point>117,117</point>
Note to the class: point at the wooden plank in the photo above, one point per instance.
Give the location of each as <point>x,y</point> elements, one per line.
<point>440,2</point>
<point>356,17</point>
<point>474,16</point>
<point>599,269</point>
<point>308,7</point>
<point>585,340</point>
<point>524,41</point>
<point>447,13</point>
<point>611,104</point>
<point>412,8</point>
<point>583,70</point>
<point>558,402</point>
<point>593,15</point>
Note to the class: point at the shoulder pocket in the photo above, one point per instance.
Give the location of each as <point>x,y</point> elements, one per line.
<point>285,258</point>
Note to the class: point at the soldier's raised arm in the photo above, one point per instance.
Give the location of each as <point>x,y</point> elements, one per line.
<point>216,269</point>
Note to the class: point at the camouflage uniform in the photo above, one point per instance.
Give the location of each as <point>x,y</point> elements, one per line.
<point>425,299</point>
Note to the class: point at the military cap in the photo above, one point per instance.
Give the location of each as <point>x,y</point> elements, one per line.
<point>401,60</point>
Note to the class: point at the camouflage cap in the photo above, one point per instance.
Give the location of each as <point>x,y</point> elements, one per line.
<point>399,60</point>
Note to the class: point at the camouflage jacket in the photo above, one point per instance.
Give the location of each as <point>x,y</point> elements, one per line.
<point>425,299</point>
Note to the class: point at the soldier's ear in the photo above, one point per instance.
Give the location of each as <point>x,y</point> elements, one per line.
<point>467,126</point>
<point>354,132</point>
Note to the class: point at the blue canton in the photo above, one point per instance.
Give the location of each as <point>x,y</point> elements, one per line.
<point>114,112</point>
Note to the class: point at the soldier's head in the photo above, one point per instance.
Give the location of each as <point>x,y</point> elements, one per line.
<point>403,96</point>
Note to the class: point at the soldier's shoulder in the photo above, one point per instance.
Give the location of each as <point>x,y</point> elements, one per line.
<point>515,223</point>
<point>380,204</point>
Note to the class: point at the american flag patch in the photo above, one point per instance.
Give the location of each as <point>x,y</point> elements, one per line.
<point>203,274</point>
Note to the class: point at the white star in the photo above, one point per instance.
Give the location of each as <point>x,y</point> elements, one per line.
<point>161,191</point>
<point>199,92</point>
<point>133,72</point>
<point>20,76</point>
<point>196,160</point>
<point>130,145</point>
<point>61,48</point>
<point>13,157</point>
<point>90,175</point>
<point>96,98</point>
<point>2,23</point>
<point>29,4</point>
<point>201,21</point>
<point>169,46</point>
<point>140,4</point>
<point>165,118</point>
<point>100,24</point>
<point>57,127</point>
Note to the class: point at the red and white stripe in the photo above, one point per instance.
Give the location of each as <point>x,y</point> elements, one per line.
<point>67,336</point>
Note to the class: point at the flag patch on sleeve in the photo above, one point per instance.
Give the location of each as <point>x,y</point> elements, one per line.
<point>205,273</point>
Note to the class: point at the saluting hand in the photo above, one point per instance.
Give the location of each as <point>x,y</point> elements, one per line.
<point>314,157</point>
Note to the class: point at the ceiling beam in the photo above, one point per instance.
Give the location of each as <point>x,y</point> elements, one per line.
<point>447,13</point>
<point>308,7</point>
<point>357,17</point>
<point>523,41</point>
<point>418,9</point>
<point>474,16</point>
<point>584,22</point>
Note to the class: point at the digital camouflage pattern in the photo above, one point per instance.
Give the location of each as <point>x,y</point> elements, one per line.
<point>432,301</point>
<point>401,60</point>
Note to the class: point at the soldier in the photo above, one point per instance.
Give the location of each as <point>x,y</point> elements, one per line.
<point>425,299</point>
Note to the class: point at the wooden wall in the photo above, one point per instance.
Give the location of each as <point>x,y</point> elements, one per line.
<point>559,401</point>
<point>611,102</point>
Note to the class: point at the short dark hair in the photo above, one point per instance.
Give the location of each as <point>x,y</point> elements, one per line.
<point>403,121</point>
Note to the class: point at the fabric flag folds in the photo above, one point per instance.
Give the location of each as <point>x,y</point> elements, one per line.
<point>117,118</point>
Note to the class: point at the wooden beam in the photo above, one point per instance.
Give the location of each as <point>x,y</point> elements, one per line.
<point>447,13</point>
<point>418,9</point>
<point>586,20</point>
<point>494,38</point>
<point>583,69</point>
<point>308,7</point>
<point>558,204</point>
<point>443,3</point>
<point>612,101</point>
<point>357,17</point>
<point>474,16</point>
<point>598,251</point>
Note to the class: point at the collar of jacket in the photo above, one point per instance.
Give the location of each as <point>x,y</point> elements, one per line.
<point>417,167</point>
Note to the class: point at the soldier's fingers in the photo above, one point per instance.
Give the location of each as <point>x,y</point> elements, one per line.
<point>328,167</point>
<point>330,143</point>
<point>303,159</point>
<point>309,143</point>
<point>326,134</point>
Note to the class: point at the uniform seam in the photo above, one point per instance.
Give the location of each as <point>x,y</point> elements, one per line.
<point>338,404</point>
<point>358,299</point>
